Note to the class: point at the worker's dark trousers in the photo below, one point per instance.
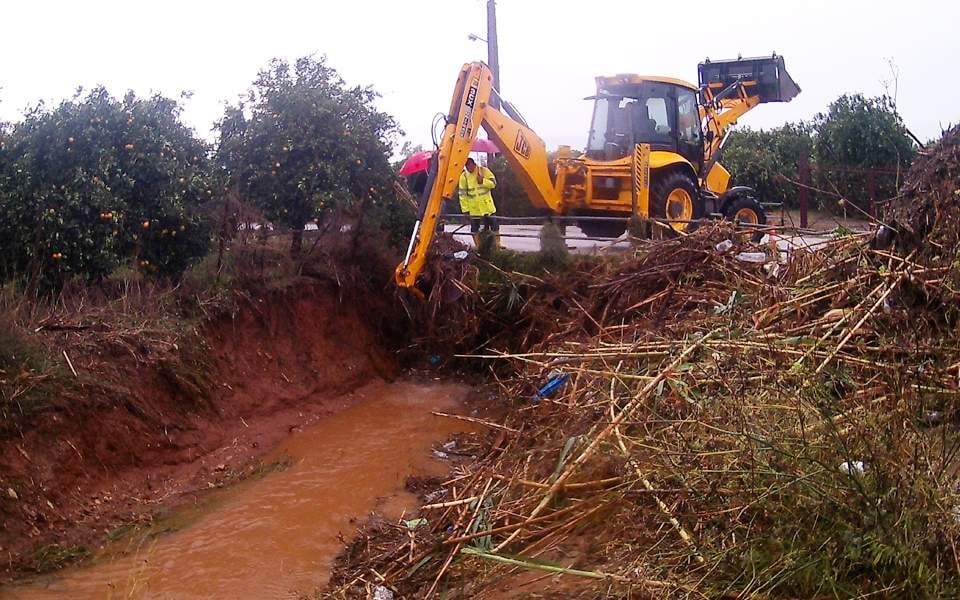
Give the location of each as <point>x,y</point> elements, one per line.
<point>489,221</point>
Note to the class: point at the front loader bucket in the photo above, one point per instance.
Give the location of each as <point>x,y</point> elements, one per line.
<point>765,77</point>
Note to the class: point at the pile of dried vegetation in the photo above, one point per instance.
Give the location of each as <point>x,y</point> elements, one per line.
<point>927,209</point>
<point>723,428</point>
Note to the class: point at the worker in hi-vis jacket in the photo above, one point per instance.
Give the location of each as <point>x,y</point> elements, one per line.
<point>477,201</point>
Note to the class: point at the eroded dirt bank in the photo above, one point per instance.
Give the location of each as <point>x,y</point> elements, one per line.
<point>142,435</point>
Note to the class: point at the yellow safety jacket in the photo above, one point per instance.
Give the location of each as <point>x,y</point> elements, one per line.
<point>475,198</point>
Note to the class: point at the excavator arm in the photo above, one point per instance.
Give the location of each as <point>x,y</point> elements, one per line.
<point>470,109</point>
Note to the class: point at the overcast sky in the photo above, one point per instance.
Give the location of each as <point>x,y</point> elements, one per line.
<point>550,51</point>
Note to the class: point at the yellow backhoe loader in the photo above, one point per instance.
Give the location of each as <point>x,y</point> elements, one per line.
<point>652,151</point>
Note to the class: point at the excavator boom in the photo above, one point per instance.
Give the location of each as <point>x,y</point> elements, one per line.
<point>470,110</point>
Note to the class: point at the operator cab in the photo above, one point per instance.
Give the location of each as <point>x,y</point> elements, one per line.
<point>660,111</point>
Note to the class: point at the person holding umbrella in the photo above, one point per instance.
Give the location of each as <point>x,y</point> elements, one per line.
<point>477,201</point>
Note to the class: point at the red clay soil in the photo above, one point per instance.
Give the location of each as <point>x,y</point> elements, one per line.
<point>143,438</point>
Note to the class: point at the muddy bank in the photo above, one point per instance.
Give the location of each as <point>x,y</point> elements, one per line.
<point>139,433</point>
<point>276,536</point>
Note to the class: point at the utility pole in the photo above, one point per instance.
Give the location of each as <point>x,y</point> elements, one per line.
<point>493,56</point>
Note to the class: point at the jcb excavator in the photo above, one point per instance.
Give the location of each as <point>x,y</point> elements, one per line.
<point>652,151</point>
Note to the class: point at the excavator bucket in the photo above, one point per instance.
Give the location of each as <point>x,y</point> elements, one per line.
<point>765,77</point>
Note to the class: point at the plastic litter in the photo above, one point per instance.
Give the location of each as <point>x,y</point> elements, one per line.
<point>555,382</point>
<point>856,467</point>
<point>461,254</point>
<point>382,593</point>
<point>752,257</point>
<point>933,417</point>
<point>724,245</point>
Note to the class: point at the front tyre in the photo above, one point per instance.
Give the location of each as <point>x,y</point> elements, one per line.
<point>746,210</point>
<point>675,197</point>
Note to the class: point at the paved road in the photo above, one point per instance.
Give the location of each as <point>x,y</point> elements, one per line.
<point>578,243</point>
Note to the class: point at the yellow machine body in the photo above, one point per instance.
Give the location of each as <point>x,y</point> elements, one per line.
<point>625,159</point>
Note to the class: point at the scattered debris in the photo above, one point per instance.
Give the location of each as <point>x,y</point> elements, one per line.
<point>692,448</point>
<point>856,467</point>
<point>382,593</point>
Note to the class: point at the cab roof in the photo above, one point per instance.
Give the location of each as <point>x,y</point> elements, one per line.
<point>633,79</point>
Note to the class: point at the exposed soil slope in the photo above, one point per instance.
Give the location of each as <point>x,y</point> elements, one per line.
<point>140,433</point>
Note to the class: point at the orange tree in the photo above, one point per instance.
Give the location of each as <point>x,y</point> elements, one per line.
<point>97,181</point>
<point>302,145</point>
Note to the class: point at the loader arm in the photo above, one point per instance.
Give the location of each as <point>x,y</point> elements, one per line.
<point>731,88</point>
<point>470,110</point>
<point>721,115</point>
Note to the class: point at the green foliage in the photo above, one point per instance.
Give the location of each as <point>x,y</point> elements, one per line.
<point>96,181</point>
<point>304,145</point>
<point>858,133</point>
<point>855,133</point>
<point>862,132</point>
<point>762,158</point>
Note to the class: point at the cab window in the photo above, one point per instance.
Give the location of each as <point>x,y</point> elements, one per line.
<point>688,118</point>
<point>598,129</point>
<point>657,109</point>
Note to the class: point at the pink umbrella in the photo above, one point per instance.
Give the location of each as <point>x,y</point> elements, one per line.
<point>484,145</point>
<point>416,163</point>
<point>421,160</point>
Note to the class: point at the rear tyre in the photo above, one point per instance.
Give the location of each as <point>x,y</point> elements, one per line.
<point>746,210</point>
<point>602,229</point>
<point>675,197</point>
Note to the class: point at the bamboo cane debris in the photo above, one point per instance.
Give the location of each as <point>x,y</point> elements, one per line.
<point>725,431</point>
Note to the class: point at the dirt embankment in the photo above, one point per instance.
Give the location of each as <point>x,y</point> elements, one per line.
<point>140,435</point>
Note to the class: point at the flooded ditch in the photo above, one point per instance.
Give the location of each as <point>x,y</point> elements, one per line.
<point>276,536</point>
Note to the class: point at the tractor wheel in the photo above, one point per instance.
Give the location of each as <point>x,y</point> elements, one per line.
<point>675,196</point>
<point>746,209</point>
<point>602,229</point>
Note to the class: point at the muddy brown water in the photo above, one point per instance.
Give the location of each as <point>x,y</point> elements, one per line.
<point>277,536</point>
